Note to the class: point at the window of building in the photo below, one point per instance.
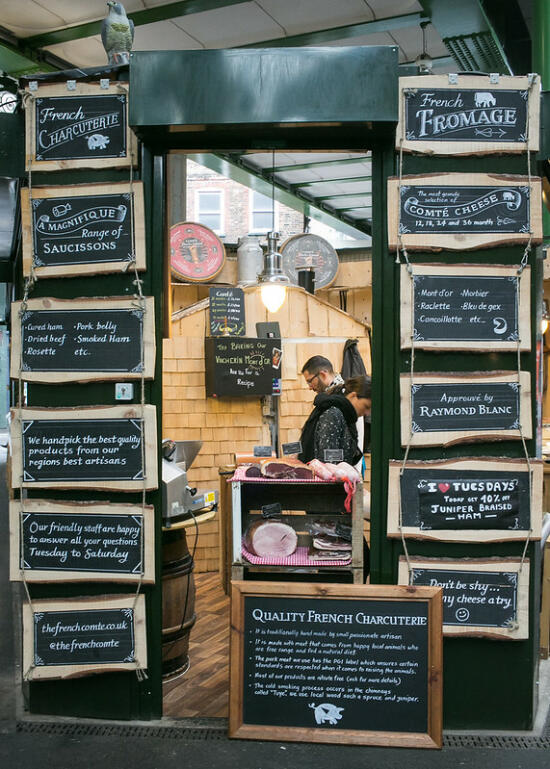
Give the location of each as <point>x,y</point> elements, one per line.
<point>210,209</point>
<point>261,213</point>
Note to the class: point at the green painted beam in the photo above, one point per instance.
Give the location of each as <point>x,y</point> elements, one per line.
<point>242,175</point>
<point>301,185</point>
<point>343,33</point>
<point>315,164</point>
<point>148,16</point>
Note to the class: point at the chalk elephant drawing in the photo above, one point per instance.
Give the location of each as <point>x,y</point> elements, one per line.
<point>484,99</point>
<point>97,142</point>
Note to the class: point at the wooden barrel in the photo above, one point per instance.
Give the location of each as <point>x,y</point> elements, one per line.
<point>178,603</point>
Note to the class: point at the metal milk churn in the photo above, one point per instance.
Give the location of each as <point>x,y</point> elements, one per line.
<point>249,259</point>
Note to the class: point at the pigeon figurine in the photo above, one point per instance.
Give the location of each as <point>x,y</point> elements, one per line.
<point>117,34</point>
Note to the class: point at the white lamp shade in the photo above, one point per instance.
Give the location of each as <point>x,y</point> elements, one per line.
<point>273,295</point>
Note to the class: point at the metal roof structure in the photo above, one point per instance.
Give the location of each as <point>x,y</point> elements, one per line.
<point>457,35</point>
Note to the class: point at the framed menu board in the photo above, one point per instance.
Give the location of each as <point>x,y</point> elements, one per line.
<point>102,447</point>
<point>66,638</point>
<point>78,340</point>
<point>443,409</point>
<point>86,127</point>
<point>84,229</point>
<point>461,212</point>
<point>59,541</point>
<point>472,499</point>
<point>465,307</point>
<point>468,114</point>
<point>481,596</point>
<point>350,664</point>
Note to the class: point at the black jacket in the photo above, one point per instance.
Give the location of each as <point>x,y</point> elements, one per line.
<point>322,403</point>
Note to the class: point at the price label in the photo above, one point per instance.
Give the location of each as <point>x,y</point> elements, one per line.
<point>292,448</point>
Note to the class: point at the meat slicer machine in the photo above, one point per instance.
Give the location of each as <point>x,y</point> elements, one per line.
<point>179,500</point>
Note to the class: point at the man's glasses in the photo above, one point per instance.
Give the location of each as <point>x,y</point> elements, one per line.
<point>310,380</point>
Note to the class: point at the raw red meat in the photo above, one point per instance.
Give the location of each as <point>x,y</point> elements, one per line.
<point>286,468</point>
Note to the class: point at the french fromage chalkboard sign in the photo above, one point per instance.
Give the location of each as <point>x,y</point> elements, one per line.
<point>241,366</point>
<point>226,311</point>
<point>465,307</point>
<point>463,211</point>
<point>468,114</point>
<point>455,408</point>
<point>97,447</point>
<point>71,541</point>
<point>83,128</point>
<point>484,597</point>
<point>69,638</point>
<point>465,500</point>
<point>85,339</point>
<point>336,663</point>
<point>83,229</point>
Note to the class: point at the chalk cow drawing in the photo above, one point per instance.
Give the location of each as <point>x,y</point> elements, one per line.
<point>484,99</point>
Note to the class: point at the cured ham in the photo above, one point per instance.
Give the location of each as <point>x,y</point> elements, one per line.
<point>270,539</point>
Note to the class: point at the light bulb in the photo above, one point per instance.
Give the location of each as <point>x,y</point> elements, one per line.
<point>544,325</point>
<point>273,295</point>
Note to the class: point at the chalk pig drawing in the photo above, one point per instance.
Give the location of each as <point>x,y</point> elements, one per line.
<point>97,142</point>
<point>327,712</point>
<point>484,99</point>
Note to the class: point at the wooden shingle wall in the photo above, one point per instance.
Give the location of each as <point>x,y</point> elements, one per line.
<point>225,426</point>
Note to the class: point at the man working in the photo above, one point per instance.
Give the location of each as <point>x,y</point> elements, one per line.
<point>321,377</point>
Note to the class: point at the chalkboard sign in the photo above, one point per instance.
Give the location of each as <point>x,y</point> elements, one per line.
<point>465,307</point>
<point>83,229</point>
<point>336,663</point>
<point>468,116</point>
<point>465,500</point>
<point>437,410</point>
<point>226,311</point>
<point>61,341</point>
<point>241,366</point>
<point>63,639</point>
<point>98,447</point>
<point>263,451</point>
<point>70,541</point>
<point>83,128</point>
<point>463,211</point>
<point>291,448</point>
<point>480,597</point>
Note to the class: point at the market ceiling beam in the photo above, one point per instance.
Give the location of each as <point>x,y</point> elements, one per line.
<point>315,164</point>
<point>342,180</point>
<point>148,16</point>
<point>343,33</point>
<point>16,58</point>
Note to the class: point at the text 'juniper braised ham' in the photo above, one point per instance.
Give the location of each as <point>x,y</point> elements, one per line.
<point>270,539</point>
<point>285,468</point>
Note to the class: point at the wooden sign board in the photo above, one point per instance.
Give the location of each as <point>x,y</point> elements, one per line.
<point>80,340</point>
<point>472,499</point>
<point>481,597</point>
<point>86,127</point>
<point>79,541</point>
<point>470,116</point>
<point>226,311</point>
<point>350,664</point>
<point>85,229</point>
<point>465,307</point>
<point>444,409</point>
<point>241,366</point>
<point>71,638</point>
<point>98,447</point>
<point>462,212</point>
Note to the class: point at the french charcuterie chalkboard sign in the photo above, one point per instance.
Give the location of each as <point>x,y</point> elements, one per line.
<point>61,341</point>
<point>226,311</point>
<point>480,597</point>
<point>475,500</point>
<point>241,366</point>
<point>70,541</point>
<point>84,229</point>
<point>67,638</point>
<point>468,114</point>
<point>97,447</point>
<point>83,128</point>
<point>465,307</point>
<point>345,663</point>
<point>453,408</point>
<point>463,211</point>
